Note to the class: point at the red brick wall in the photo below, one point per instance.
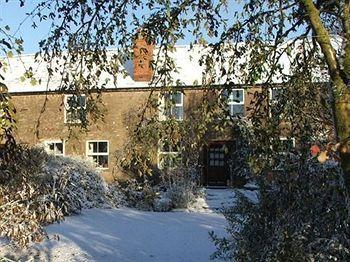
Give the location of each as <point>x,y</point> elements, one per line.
<point>41,117</point>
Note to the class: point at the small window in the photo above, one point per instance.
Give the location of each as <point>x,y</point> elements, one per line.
<point>171,106</point>
<point>54,147</point>
<point>235,102</point>
<point>98,152</point>
<point>287,144</point>
<point>169,155</point>
<point>284,145</point>
<point>276,107</point>
<point>75,109</point>
<point>275,93</point>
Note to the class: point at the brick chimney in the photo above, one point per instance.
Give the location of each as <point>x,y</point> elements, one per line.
<point>143,55</point>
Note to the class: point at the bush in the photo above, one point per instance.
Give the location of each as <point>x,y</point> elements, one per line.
<point>37,189</point>
<point>163,204</point>
<point>177,189</point>
<point>301,216</point>
<point>138,195</point>
<point>181,186</point>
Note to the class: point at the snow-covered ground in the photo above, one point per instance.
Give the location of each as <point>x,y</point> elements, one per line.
<point>126,234</point>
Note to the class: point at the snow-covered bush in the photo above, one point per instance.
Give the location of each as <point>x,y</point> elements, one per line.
<point>180,184</point>
<point>163,204</point>
<point>177,189</point>
<point>79,183</point>
<point>301,215</point>
<point>37,189</point>
<point>138,195</point>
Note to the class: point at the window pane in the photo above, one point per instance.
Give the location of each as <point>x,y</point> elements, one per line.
<point>59,149</point>
<point>71,101</point>
<point>236,96</point>
<point>81,101</point>
<point>102,147</point>
<point>237,110</point>
<point>176,97</point>
<point>75,109</point>
<point>51,147</point>
<point>275,93</point>
<point>177,112</point>
<point>103,161</point>
<point>92,147</point>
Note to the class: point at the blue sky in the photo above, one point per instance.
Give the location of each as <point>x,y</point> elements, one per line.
<point>11,14</point>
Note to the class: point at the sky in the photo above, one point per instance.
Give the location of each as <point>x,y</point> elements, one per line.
<point>20,25</point>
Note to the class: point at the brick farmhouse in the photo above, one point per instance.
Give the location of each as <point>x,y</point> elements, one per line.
<point>44,117</point>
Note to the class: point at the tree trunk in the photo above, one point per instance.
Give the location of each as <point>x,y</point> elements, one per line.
<point>340,89</point>
<point>342,115</point>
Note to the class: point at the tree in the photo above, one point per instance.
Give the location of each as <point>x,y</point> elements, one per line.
<point>8,44</point>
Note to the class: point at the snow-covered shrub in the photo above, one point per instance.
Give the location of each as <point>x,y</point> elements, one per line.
<point>181,185</point>
<point>37,189</point>
<point>302,215</point>
<point>138,195</point>
<point>177,189</point>
<point>79,183</point>
<point>163,204</point>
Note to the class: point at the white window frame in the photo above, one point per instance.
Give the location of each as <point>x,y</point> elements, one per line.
<point>233,103</point>
<point>162,153</point>
<point>66,108</point>
<point>162,112</point>
<point>88,154</point>
<point>283,138</point>
<point>47,142</point>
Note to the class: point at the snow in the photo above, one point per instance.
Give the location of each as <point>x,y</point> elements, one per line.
<point>216,199</point>
<point>130,235</point>
<point>213,200</point>
<point>188,71</point>
<point>126,234</point>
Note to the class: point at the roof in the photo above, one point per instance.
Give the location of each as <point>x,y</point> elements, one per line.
<point>189,72</point>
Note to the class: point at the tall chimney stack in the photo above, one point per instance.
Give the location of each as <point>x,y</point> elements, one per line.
<point>143,55</point>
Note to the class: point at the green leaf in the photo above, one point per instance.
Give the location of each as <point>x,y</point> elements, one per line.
<point>33,81</point>
<point>9,54</point>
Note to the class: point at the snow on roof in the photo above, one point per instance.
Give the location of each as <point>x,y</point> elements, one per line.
<point>189,72</point>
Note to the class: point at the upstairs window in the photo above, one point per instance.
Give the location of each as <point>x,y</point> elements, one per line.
<point>54,147</point>
<point>171,106</point>
<point>235,102</point>
<point>276,106</point>
<point>274,94</point>
<point>98,151</point>
<point>169,155</point>
<point>75,109</point>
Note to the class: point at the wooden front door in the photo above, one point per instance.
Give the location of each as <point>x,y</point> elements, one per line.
<point>217,170</point>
